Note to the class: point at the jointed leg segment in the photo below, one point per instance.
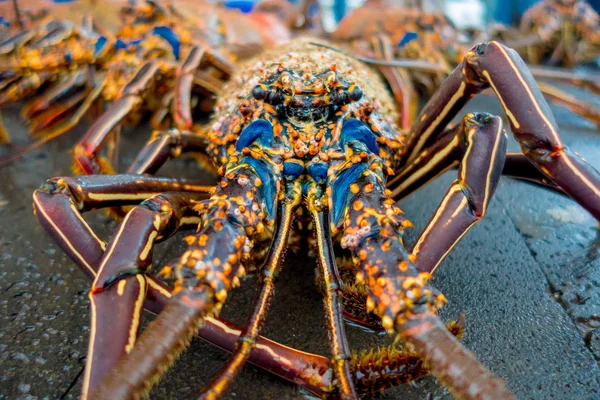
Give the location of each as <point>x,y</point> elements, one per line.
<point>482,148</point>
<point>493,65</point>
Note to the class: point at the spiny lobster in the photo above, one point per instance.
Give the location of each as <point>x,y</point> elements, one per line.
<point>305,127</point>
<point>413,34</point>
<point>155,59</point>
<point>557,32</point>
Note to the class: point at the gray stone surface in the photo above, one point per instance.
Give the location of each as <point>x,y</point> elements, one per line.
<point>526,277</point>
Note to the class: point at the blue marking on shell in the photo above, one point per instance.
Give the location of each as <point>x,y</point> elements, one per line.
<point>68,57</point>
<point>120,44</point>
<point>356,130</point>
<point>100,45</point>
<point>341,187</point>
<point>318,171</point>
<point>170,36</point>
<point>257,129</point>
<point>293,168</point>
<point>407,38</point>
<point>269,186</point>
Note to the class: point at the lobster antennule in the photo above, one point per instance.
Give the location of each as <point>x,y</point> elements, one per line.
<point>333,292</point>
<point>272,264</point>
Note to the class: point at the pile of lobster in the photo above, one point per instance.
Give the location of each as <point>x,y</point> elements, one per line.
<point>307,126</point>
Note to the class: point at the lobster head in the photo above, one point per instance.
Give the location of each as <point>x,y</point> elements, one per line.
<point>305,97</point>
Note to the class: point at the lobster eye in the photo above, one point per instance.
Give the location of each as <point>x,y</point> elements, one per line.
<point>259,92</point>
<point>355,93</point>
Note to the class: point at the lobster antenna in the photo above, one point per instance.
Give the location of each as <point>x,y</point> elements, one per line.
<point>396,62</point>
<point>18,13</point>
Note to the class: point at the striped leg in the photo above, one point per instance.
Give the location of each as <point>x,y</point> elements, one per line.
<point>119,290</point>
<point>192,71</point>
<point>164,146</point>
<point>51,124</point>
<point>466,201</point>
<point>517,166</point>
<point>58,206</point>
<point>570,101</point>
<point>59,203</point>
<point>86,152</point>
<point>493,65</point>
<point>399,80</point>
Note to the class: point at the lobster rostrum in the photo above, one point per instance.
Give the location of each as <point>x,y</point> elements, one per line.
<point>306,127</point>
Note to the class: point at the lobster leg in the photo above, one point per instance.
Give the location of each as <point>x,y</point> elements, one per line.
<point>492,64</point>
<point>56,130</point>
<point>204,273</point>
<point>270,268</point>
<point>573,103</point>
<point>56,94</point>
<point>431,163</point>
<point>466,201</point>
<point>162,147</point>
<point>192,70</point>
<point>370,226</point>
<point>23,87</point>
<point>119,290</point>
<point>398,79</point>
<point>584,80</point>
<point>446,153</point>
<point>517,166</point>
<point>58,205</point>
<point>86,151</point>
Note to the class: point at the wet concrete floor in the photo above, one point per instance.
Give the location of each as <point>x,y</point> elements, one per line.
<point>527,277</point>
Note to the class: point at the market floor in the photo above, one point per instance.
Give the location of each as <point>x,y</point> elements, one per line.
<point>527,278</point>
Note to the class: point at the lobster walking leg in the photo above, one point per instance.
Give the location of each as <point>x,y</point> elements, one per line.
<point>54,95</point>
<point>517,166</point>
<point>58,205</point>
<point>190,71</point>
<point>578,106</point>
<point>493,65</point>
<point>466,201</point>
<point>55,130</point>
<point>162,147</point>
<point>86,151</point>
<point>399,80</point>
<point>433,161</point>
<point>270,267</point>
<point>446,153</point>
<point>119,290</point>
